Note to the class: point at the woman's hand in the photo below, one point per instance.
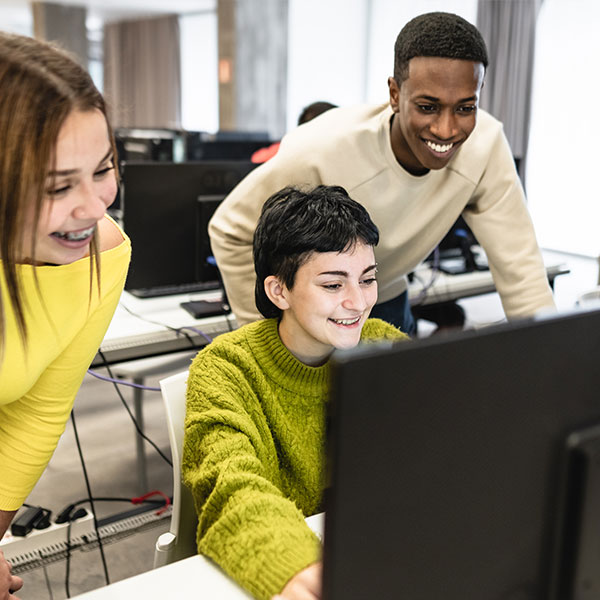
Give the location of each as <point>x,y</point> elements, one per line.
<point>305,585</point>
<point>8,582</point>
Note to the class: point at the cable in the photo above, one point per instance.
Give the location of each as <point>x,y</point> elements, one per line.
<point>144,498</point>
<point>121,382</point>
<point>135,423</point>
<point>175,329</point>
<point>196,330</point>
<point>66,514</point>
<point>68,560</point>
<point>89,491</point>
<point>48,585</point>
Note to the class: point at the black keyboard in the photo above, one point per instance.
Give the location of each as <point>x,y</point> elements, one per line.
<point>171,290</point>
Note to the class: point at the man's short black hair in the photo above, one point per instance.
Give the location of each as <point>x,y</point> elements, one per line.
<point>437,34</point>
<point>294,223</point>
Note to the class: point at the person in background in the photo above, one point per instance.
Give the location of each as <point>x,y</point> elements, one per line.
<point>416,163</point>
<point>308,114</point>
<point>253,452</point>
<point>63,262</point>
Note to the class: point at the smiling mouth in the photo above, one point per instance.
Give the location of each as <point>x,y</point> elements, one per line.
<point>346,321</point>
<point>440,148</point>
<point>75,236</point>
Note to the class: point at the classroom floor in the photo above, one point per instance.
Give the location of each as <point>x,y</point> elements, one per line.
<point>107,440</point>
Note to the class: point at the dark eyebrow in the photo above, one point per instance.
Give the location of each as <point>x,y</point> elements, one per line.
<point>345,273</point>
<point>68,172</point>
<point>434,99</point>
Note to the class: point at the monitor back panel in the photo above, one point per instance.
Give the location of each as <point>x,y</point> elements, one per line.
<point>160,216</point>
<point>446,461</point>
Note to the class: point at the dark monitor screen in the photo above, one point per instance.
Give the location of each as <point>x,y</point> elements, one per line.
<point>200,146</point>
<point>454,471</point>
<point>160,208</point>
<point>133,148</point>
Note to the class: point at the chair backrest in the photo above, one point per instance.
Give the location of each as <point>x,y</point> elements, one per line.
<point>182,542</point>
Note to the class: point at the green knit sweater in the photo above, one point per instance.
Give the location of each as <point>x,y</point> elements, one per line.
<point>254,453</point>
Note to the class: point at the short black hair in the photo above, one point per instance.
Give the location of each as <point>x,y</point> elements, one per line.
<point>295,223</point>
<point>314,110</point>
<point>437,34</point>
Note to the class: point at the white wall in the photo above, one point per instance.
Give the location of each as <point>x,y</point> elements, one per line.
<point>342,51</point>
<point>388,18</point>
<point>199,79</point>
<point>564,196</point>
<point>16,17</point>
<point>326,53</point>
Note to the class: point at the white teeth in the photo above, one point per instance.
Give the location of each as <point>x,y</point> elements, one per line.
<point>346,321</point>
<point>439,147</point>
<point>75,237</point>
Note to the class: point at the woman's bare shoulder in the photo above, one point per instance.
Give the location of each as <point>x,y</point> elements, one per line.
<point>110,235</point>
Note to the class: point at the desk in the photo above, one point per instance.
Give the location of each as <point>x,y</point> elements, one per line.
<point>195,577</point>
<point>429,287</point>
<point>131,337</point>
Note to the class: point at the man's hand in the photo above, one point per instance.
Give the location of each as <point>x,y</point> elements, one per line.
<point>305,585</point>
<point>8,583</point>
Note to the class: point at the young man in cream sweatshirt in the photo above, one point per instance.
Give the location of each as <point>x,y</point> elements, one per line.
<point>416,163</point>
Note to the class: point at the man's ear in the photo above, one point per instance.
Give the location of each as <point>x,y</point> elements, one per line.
<point>275,291</point>
<point>394,94</point>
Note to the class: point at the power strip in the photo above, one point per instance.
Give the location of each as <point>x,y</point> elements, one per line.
<point>50,544</point>
<point>41,543</point>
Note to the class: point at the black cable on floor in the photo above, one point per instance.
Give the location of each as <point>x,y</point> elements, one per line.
<point>93,508</point>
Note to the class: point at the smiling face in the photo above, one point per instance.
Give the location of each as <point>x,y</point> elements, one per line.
<point>80,188</point>
<point>435,111</point>
<point>331,298</point>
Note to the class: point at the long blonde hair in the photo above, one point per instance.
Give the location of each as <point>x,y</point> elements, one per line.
<point>40,86</point>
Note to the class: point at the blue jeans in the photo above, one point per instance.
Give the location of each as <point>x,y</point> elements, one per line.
<point>397,312</point>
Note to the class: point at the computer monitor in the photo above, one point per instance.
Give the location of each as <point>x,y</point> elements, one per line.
<point>205,208</point>
<point>159,202</point>
<point>137,144</point>
<point>224,145</point>
<point>467,466</point>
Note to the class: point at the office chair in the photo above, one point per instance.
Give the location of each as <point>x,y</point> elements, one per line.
<point>180,541</point>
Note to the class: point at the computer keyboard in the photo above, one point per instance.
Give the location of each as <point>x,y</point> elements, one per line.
<point>171,290</point>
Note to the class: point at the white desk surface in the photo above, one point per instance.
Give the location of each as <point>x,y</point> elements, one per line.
<point>195,577</point>
<point>429,287</point>
<point>147,327</point>
<point>164,310</point>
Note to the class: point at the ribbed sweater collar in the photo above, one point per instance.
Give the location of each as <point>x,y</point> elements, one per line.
<point>280,365</point>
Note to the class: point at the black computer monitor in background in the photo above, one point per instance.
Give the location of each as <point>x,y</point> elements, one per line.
<point>160,207</point>
<point>147,144</point>
<point>467,466</point>
<point>230,145</point>
<point>206,265</point>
